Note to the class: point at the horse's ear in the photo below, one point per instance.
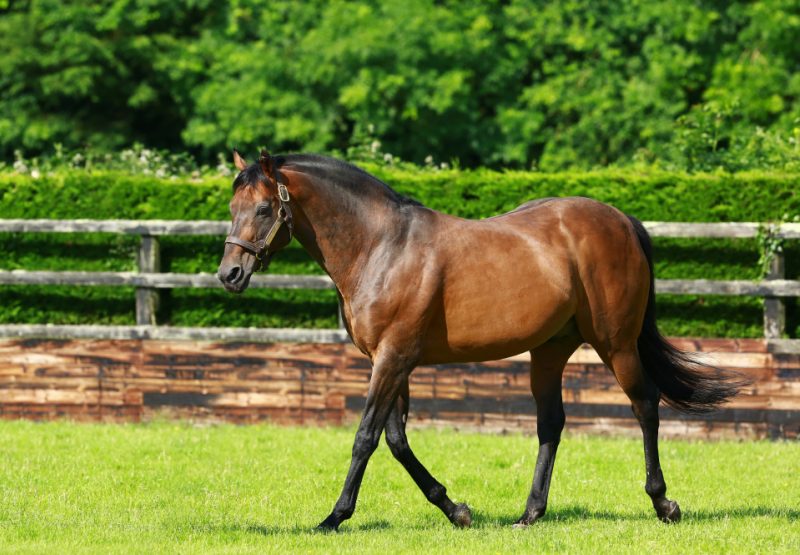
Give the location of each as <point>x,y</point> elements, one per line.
<point>238,161</point>
<point>267,165</point>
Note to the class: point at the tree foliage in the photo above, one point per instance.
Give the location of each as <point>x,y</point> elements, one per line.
<point>517,83</point>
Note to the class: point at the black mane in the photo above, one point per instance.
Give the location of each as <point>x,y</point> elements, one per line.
<point>336,173</point>
<point>251,175</point>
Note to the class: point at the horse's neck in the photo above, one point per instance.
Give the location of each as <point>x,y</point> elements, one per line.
<point>340,230</point>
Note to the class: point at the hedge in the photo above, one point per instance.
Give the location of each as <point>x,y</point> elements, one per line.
<point>475,193</point>
<point>753,196</point>
<point>678,197</point>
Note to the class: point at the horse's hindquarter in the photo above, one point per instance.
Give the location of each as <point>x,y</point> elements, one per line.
<point>508,284</point>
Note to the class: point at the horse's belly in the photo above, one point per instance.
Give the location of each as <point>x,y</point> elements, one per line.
<point>499,321</point>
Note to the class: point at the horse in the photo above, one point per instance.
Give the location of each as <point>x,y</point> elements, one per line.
<point>420,287</point>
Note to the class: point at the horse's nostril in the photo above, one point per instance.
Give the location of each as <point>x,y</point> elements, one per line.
<point>234,275</point>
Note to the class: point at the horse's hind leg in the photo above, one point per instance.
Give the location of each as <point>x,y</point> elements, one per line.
<point>398,444</point>
<point>644,396</point>
<point>547,366</point>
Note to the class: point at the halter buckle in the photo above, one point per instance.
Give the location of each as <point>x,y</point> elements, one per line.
<point>283,192</point>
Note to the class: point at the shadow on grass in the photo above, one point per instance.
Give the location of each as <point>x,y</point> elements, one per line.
<point>296,530</point>
<point>576,513</point>
<point>565,515</point>
<point>743,512</point>
<point>573,513</point>
<point>253,528</point>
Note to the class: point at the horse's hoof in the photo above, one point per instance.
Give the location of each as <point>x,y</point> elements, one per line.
<point>327,526</point>
<point>462,517</point>
<point>528,518</point>
<point>669,512</point>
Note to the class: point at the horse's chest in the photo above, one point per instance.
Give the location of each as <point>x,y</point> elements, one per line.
<point>382,317</point>
<point>366,322</point>
<point>358,333</point>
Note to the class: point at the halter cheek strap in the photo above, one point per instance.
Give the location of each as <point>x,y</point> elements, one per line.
<point>260,248</point>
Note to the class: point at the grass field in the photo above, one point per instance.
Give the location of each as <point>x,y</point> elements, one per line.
<point>166,487</point>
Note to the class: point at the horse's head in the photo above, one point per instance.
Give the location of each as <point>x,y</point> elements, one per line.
<point>262,221</point>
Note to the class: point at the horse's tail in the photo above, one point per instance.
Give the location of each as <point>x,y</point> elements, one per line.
<point>686,384</point>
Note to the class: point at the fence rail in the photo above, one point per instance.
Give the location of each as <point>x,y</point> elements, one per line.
<point>770,288</point>
<point>158,281</point>
<point>152,228</point>
<point>148,280</point>
<point>717,230</point>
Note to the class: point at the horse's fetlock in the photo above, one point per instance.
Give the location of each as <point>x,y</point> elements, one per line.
<point>536,511</point>
<point>343,513</point>
<point>436,494</point>
<point>655,489</point>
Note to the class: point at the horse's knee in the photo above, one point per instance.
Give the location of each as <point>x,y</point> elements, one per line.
<point>365,444</point>
<point>397,442</point>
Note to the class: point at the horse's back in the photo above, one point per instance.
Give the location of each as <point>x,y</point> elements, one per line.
<point>579,209</point>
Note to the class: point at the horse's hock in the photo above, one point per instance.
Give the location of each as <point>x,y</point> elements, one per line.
<point>326,384</point>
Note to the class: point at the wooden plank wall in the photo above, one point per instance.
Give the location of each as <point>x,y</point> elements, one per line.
<point>325,384</point>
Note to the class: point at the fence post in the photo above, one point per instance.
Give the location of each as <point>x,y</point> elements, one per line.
<point>775,307</point>
<point>147,299</point>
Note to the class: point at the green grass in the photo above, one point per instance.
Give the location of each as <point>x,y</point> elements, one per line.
<point>167,487</point>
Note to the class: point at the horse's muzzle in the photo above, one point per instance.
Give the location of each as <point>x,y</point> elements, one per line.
<point>234,277</point>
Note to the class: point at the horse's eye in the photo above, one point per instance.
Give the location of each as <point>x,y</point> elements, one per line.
<point>263,210</point>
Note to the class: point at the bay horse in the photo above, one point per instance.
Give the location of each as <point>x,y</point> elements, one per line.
<point>418,287</point>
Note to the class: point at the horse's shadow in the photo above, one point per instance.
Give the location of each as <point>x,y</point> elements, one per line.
<point>744,512</point>
<point>256,529</point>
<point>571,513</point>
<point>576,513</point>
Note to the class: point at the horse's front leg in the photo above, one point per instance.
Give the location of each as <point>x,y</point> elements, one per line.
<point>389,372</point>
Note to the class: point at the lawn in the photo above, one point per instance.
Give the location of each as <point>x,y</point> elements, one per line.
<point>167,487</point>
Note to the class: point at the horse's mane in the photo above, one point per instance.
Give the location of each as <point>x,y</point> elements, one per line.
<point>335,173</point>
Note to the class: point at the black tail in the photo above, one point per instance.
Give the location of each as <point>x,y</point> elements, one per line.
<point>686,384</point>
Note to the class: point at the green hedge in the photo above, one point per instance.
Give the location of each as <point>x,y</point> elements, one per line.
<point>477,193</point>
<point>753,196</point>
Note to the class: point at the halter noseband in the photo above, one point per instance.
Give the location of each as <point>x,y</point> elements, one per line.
<point>260,248</point>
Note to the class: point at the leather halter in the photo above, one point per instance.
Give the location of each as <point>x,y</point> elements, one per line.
<point>260,248</point>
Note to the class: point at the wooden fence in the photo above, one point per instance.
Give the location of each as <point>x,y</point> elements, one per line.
<point>324,384</point>
<point>148,280</point>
